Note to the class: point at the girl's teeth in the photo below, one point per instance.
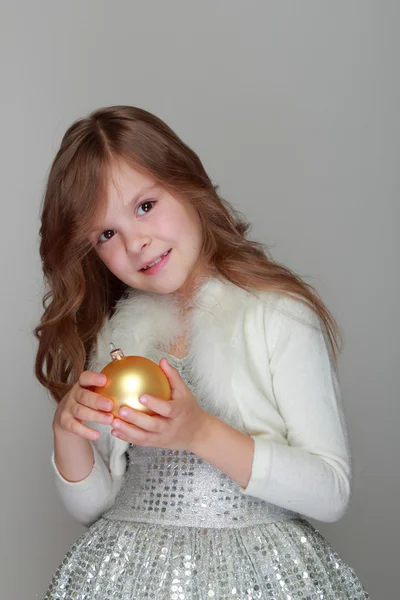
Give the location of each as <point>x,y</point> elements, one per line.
<point>156,261</point>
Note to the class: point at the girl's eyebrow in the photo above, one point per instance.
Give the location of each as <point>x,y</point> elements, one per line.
<point>143,192</point>
<point>134,200</point>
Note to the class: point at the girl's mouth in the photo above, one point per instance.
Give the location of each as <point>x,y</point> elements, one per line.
<point>158,265</point>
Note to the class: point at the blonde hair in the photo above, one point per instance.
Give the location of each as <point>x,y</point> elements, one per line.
<point>76,190</point>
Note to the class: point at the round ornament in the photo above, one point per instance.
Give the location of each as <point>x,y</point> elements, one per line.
<point>128,377</point>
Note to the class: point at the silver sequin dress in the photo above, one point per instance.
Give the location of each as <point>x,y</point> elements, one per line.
<point>180,529</point>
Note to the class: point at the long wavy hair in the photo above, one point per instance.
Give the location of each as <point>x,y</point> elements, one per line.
<point>81,291</point>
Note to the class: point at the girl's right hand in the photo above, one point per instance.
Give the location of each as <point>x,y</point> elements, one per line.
<point>82,404</point>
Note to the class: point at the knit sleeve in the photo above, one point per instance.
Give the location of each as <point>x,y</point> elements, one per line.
<point>311,473</point>
<point>87,499</point>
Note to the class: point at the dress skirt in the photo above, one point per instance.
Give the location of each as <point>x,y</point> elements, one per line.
<point>181,530</point>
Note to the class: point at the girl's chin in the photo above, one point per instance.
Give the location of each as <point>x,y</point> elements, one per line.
<point>156,286</point>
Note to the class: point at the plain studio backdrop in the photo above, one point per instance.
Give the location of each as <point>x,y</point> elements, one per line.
<point>293,109</point>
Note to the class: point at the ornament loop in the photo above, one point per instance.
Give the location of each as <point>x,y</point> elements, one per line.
<point>116,353</point>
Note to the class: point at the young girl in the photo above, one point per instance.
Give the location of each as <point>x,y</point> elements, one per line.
<point>206,497</point>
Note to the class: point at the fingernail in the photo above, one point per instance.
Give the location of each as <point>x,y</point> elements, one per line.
<point>102,379</point>
<point>143,400</point>
<point>123,412</point>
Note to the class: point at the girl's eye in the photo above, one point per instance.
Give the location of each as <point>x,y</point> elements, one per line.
<point>108,235</point>
<point>147,206</point>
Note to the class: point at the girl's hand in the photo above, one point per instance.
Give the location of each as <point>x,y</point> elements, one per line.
<point>81,404</point>
<point>178,425</point>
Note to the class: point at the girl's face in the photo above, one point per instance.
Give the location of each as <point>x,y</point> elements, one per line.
<point>144,223</point>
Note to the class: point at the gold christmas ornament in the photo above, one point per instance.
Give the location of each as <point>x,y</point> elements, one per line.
<point>128,377</point>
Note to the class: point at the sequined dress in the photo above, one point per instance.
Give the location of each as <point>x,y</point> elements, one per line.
<point>180,529</point>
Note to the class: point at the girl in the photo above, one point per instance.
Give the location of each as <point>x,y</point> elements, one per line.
<point>206,498</point>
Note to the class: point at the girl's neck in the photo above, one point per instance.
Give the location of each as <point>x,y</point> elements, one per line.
<point>186,295</point>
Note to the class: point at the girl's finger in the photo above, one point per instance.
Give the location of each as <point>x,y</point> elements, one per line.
<point>174,378</point>
<point>82,430</point>
<point>83,413</point>
<point>140,419</point>
<point>90,378</point>
<point>161,407</point>
<point>131,433</point>
<point>93,400</point>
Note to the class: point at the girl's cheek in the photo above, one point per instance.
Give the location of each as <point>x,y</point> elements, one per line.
<point>111,259</point>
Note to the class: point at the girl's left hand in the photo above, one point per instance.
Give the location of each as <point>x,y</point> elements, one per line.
<point>178,425</point>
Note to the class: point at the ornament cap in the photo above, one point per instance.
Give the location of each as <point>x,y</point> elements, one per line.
<point>116,353</point>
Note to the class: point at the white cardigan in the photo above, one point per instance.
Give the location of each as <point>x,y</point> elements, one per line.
<point>265,367</point>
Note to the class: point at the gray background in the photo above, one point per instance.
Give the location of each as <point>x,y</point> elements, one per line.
<point>293,108</point>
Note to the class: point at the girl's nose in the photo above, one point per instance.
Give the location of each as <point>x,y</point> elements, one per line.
<point>136,244</point>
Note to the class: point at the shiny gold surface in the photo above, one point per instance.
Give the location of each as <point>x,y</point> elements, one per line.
<point>131,376</point>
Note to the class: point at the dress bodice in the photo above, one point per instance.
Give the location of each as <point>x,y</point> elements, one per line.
<point>164,486</point>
